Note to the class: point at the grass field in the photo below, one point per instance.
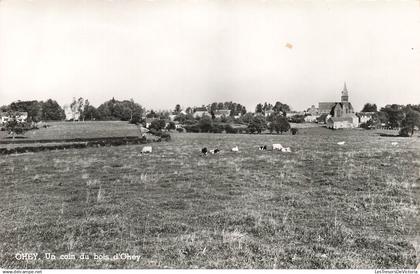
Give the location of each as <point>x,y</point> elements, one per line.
<point>87,129</point>
<point>321,206</point>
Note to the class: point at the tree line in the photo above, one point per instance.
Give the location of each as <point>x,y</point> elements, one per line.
<point>403,117</point>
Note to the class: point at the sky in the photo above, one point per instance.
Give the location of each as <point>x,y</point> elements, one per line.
<point>195,52</point>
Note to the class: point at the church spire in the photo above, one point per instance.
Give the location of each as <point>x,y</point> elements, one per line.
<point>345,94</point>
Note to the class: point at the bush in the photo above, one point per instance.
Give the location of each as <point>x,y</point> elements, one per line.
<point>217,128</point>
<point>294,131</point>
<point>230,129</point>
<point>404,132</point>
<point>192,128</point>
<point>180,130</point>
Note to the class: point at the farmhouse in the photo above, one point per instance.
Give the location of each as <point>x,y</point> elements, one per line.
<point>365,116</point>
<point>20,116</point>
<point>200,112</point>
<point>221,112</point>
<point>340,114</point>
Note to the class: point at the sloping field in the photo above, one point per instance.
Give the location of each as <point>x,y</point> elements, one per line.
<point>88,129</point>
<point>321,206</point>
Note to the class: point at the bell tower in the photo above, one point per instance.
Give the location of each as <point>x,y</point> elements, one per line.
<point>345,94</point>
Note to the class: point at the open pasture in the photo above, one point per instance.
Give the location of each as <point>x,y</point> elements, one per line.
<point>321,206</point>
<point>87,129</point>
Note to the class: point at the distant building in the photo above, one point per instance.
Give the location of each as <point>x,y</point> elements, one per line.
<point>221,112</point>
<point>340,114</point>
<point>20,116</point>
<point>313,111</point>
<point>365,117</point>
<point>268,112</point>
<point>200,112</point>
<point>310,119</point>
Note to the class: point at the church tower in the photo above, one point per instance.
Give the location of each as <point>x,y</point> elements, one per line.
<point>344,94</point>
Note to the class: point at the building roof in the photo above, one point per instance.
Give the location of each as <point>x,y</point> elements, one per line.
<point>200,109</point>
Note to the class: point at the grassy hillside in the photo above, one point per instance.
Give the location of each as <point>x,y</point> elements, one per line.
<point>321,206</point>
<point>88,129</point>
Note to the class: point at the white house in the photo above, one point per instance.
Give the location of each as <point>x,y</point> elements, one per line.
<point>20,116</point>
<point>200,112</point>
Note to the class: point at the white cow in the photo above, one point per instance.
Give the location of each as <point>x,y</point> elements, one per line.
<point>235,149</point>
<point>277,147</point>
<point>146,149</point>
<point>286,149</point>
<point>341,143</point>
<point>394,143</point>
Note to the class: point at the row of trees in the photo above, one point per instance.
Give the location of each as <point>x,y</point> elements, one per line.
<point>37,111</point>
<point>394,116</point>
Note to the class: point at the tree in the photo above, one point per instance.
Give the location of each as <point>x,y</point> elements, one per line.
<point>258,124</point>
<point>279,124</point>
<point>157,124</point>
<point>247,118</point>
<point>170,126</point>
<point>52,111</point>
<point>411,120</point>
<point>205,124</point>
<point>177,109</point>
<point>370,108</point>
<point>33,108</point>
<point>120,110</point>
<point>259,108</point>
<point>395,115</point>
<point>13,126</point>
<point>280,107</point>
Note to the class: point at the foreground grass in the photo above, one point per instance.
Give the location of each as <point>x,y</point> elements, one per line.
<point>322,206</point>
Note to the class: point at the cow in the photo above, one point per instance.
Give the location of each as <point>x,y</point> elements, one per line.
<point>286,149</point>
<point>277,147</point>
<point>204,151</point>
<point>235,149</point>
<point>214,151</point>
<point>394,143</point>
<point>262,147</point>
<point>341,143</point>
<point>146,149</point>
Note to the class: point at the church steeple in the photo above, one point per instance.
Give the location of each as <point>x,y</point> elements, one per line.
<point>345,94</point>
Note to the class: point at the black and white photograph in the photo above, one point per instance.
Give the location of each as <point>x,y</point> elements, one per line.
<point>209,134</point>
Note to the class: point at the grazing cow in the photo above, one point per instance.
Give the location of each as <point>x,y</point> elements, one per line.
<point>235,149</point>
<point>277,147</point>
<point>146,149</point>
<point>262,147</point>
<point>204,151</point>
<point>286,149</point>
<point>341,143</point>
<point>214,151</point>
<point>394,143</point>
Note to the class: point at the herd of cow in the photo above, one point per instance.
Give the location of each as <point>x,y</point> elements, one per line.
<point>279,147</point>
<point>205,150</point>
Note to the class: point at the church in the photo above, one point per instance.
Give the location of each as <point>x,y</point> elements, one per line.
<point>340,114</point>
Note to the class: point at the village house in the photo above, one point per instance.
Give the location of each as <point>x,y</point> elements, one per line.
<point>341,114</point>
<point>365,117</point>
<point>200,112</point>
<point>20,116</point>
<point>219,113</point>
<point>268,112</point>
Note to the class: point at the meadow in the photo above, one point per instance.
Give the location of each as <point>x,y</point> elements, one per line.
<point>321,206</point>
